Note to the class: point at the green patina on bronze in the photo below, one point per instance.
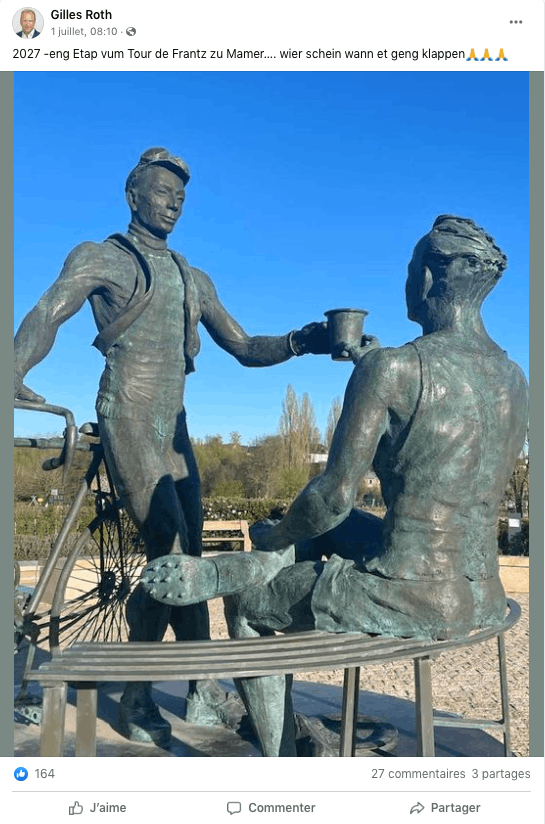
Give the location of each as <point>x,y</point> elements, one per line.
<point>147,302</point>
<point>441,420</point>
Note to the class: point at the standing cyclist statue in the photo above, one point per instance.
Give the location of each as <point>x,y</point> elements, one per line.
<point>147,302</point>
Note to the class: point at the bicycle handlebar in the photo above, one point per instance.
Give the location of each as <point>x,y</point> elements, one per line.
<point>70,434</point>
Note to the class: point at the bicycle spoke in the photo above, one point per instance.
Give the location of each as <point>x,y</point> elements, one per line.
<point>104,573</point>
<point>98,627</point>
<point>76,625</point>
<point>111,617</point>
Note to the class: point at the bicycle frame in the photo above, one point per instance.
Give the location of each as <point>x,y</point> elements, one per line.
<point>69,446</point>
<point>105,579</point>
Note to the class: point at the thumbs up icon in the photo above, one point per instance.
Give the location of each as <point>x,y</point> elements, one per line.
<point>77,809</point>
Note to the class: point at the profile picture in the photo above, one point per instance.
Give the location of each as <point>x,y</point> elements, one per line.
<point>27,23</point>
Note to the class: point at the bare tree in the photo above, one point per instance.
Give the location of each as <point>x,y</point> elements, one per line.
<point>288,428</point>
<point>310,434</point>
<point>297,429</point>
<point>333,419</point>
<point>518,488</point>
<point>299,437</point>
<point>263,467</point>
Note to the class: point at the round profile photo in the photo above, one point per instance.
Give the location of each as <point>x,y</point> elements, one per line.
<point>27,23</point>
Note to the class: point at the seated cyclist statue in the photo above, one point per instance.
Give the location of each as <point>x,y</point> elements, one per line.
<point>441,420</point>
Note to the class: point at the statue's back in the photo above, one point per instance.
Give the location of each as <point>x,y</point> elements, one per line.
<point>445,473</point>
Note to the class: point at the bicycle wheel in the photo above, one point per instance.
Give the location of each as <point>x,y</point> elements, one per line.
<point>96,581</point>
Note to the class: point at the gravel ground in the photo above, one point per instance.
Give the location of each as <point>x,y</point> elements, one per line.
<point>464,682</point>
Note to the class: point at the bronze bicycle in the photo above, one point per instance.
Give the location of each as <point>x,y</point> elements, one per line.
<point>97,575</point>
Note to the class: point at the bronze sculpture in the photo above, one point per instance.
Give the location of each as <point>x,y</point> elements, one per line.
<point>147,302</point>
<point>442,421</point>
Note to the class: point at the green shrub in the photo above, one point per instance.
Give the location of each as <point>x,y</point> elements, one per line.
<point>36,528</point>
<point>244,509</point>
<point>33,548</point>
<point>520,544</point>
<point>503,537</point>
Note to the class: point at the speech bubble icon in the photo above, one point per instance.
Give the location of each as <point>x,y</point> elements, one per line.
<point>234,807</point>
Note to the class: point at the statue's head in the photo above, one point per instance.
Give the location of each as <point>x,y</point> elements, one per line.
<point>155,191</point>
<point>456,263</point>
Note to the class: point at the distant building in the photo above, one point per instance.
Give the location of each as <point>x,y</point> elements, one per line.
<point>371,480</point>
<point>317,458</point>
<point>54,498</point>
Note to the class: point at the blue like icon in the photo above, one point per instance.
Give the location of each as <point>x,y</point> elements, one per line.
<point>21,774</point>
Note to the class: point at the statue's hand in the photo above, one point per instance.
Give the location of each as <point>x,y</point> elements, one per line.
<point>368,343</point>
<point>312,339</point>
<point>23,393</point>
<point>260,534</point>
<point>264,540</point>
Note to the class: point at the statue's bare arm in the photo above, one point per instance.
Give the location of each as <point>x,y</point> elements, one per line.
<point>80,276</point>
<point>258,350</point>
<point>386,383</point>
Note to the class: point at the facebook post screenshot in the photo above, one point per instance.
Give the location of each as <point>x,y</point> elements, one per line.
<point>275,267</point>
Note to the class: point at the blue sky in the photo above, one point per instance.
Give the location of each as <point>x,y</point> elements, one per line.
<point>309,191</point>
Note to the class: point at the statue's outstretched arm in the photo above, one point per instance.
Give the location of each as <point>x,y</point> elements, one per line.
<point>257,350</point>
<point>382,381</point>
<point>36,334</point>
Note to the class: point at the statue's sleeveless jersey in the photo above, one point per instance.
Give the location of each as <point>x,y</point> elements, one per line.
<point>443,475</point>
